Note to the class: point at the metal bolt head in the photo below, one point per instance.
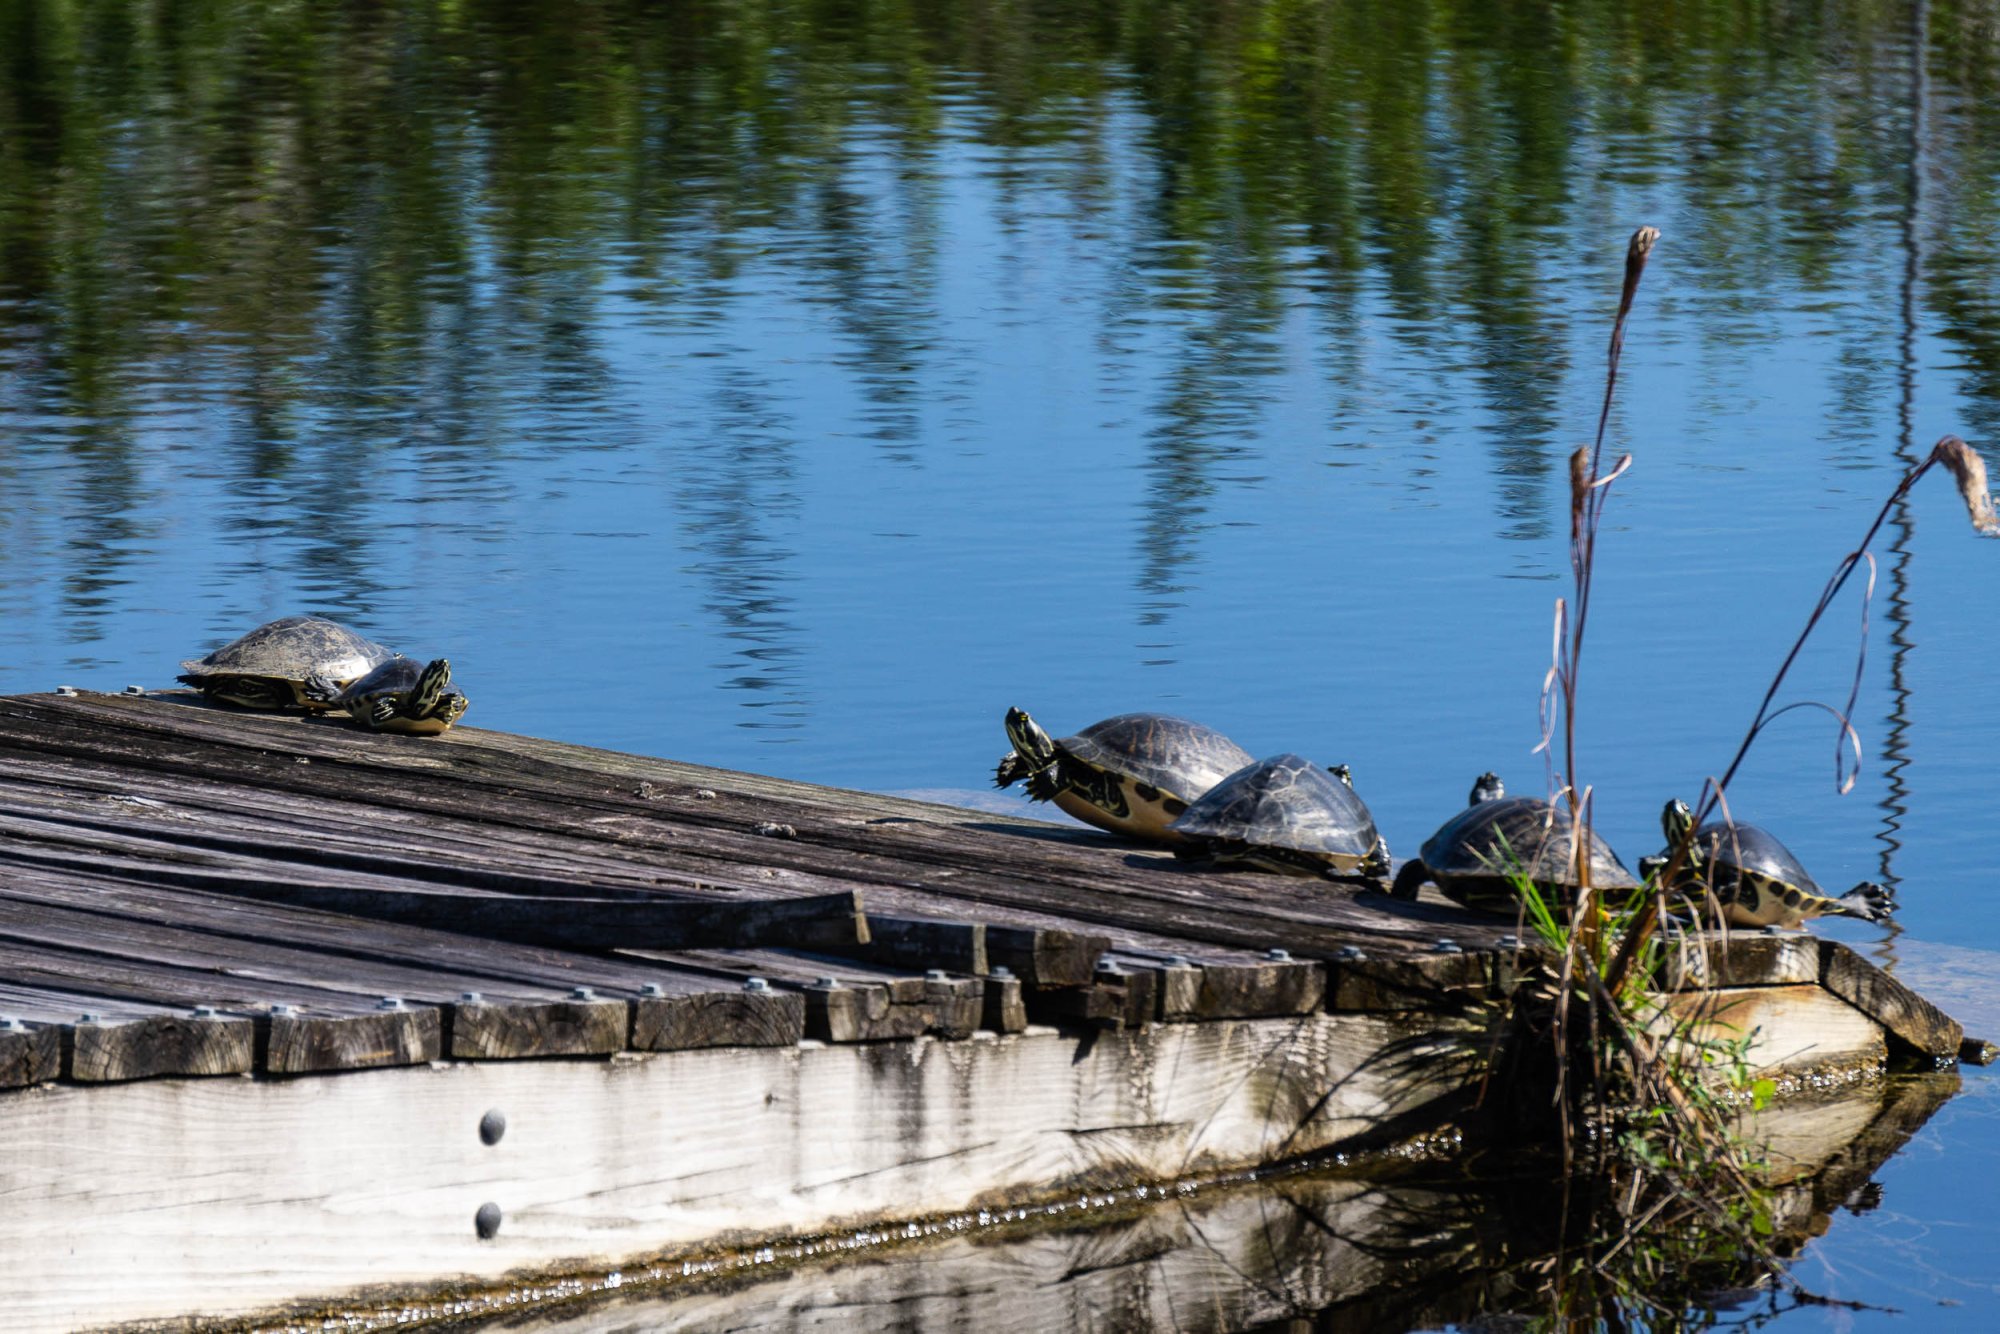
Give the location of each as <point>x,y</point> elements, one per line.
<point>90,1017</point>
<point>829,982</point>
<point>389,1003</point>
<point>1448,947</point>
<point>1774,929</point>
<point>1000,972</point>
<point>1110,968</point>
<point>1349,954</point>
<point>652,989</point>
<point>1179,961</point>
<point>471,998</point>
<point>9,1024</point>
<point>280,1010</point>
<point>755,984</point>
<point>1275,955</point>
<point>936,975</point>
<point>1510,941</point>
<point>204,1012</point>
<point>492,1126</point>
<point>67,691</point>
<point>582,993</point>
<point>487,1221</point>
<point>135,690</point>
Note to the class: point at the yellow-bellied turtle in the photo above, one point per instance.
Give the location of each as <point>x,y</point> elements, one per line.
<point>1474,856</point>
<point>1755,878</point>
<point>399,696</point>
<point>269,667</point>
<point>1287,814</point>
<point>1134,774</point>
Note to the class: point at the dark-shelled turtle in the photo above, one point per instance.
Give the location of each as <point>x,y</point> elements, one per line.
<point>1755,879</point>
<point>1287,814</point>
<point>269,667</point>
<point>1133,774</point>
<point>1474,856</point>
<point>399,696</point>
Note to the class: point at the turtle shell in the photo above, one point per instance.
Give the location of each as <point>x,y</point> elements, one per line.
<point>1284,802</point>
<point>1172,754</point>
<point>287,650</point>
<point>1483,840</point>
<point>1754,851</point>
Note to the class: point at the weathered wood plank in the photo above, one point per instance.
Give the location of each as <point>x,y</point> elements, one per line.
<point>1911,1020</point>
<point>1365,981</point>
<point>187,790</point>
<point>29,1054</point>
<point>1068,873</point>
<point>914,942</point>
<point>1044,956</point>
<point>1003,1008</point>
<point>580,1026</point>
<point>849,1000</point>
<point>208,1044</point>
<point>302,1043</point>
<point>735,1018</point>
<point>566,921</point>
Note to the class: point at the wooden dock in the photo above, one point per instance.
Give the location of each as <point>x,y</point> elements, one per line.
<point>583,1005</point>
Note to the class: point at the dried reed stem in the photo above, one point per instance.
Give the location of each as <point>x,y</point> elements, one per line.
<point>1969,470</point>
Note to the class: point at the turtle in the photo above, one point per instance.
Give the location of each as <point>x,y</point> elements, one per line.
<point>1134,774</point>
<point>268,668</point>
<point>1287,814</point>
<point>1473,857</point>
<point>1755,879</point>
<point>399,696</point>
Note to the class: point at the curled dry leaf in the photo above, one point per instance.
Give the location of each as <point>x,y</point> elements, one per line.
<point>1970,471</point>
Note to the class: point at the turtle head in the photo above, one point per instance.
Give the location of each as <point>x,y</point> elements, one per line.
<point>1342,772</point>
<point>1486,787</point>
<point>423,700</point>
<point>1677,819</point>
<point>1031,743</point>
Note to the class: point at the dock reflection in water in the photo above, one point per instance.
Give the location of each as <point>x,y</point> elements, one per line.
<point>1405,1246</point>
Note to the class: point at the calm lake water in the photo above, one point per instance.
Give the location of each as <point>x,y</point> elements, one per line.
<point>793,387</point>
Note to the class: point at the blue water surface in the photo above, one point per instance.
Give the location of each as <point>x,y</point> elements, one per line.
<point>794,389</point>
